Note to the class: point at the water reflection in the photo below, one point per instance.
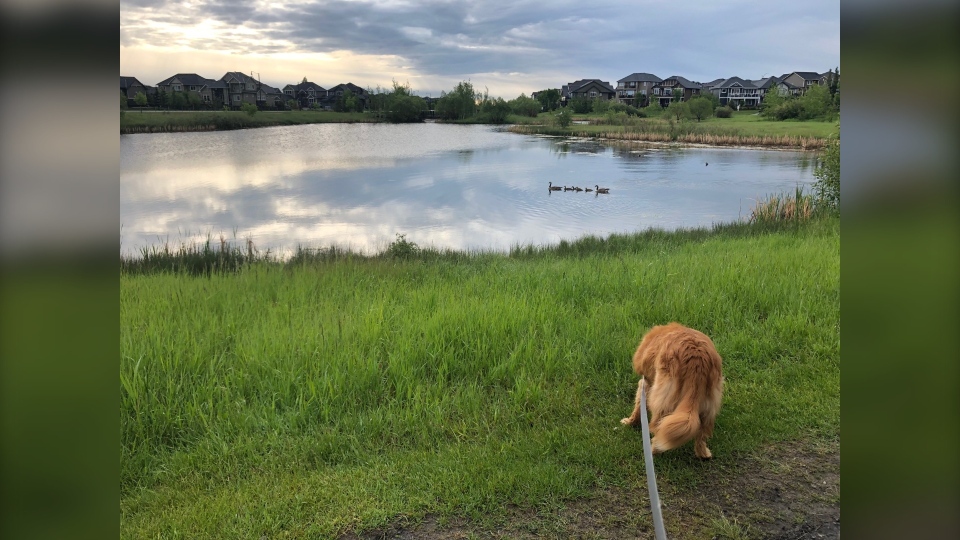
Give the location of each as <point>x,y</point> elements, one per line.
<point>462,187</point>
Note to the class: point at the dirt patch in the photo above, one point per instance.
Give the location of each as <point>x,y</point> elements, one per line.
<point>791,491</point>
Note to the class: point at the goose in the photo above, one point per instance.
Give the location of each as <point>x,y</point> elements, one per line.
<point>589,190</point>
<point>552,187</point>
<point>602,189</point>
<point>578,189</point>
<point>565,188</point>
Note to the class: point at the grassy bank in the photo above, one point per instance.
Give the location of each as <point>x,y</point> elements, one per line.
<point>742,129</point>
<point>159,122</point>
<point>338,392</point>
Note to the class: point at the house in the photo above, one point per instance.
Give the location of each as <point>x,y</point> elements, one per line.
<point>241,88</point>
<point>340,90</point>
<point>268,96</point>
<point>305,93</point>
<point>629,87</point>
<point>664,90</point>
<point>708,86</point>
<point>737,92</point>
<point>586,89</point>
<point>189,84</point>
<point>130,87</point>
<point>796,83</point>
<point>764,85</point>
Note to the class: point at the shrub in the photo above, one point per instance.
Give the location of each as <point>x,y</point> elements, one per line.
<point>581,105</point>
<point>700,108</point>
<point>401,248</point>
<point>723,112</point>
<point>525,106</point>
<point>564,117</point>
<point>827,185</point>
<point>249,108</point>
<point>601,106</point>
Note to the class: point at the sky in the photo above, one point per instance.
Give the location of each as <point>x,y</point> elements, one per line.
<point>506,47</point>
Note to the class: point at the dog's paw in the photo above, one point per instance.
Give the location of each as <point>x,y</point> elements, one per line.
<point>626,421</point>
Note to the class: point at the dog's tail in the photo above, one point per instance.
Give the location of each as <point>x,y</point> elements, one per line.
<point>681,425</point>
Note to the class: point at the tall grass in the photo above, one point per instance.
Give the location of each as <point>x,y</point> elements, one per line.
<point>685,133</point>
<point>783,208</point>
<point>179,121</point>
<point>335,392</point>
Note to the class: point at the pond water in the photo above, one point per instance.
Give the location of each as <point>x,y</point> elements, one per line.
<point>462,187</point>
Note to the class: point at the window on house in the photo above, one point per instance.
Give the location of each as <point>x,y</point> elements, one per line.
<point>177,88</point>
<point>593,93</point>
<point>193,88</point>
<point>236,98</point>
<point>206,97</point>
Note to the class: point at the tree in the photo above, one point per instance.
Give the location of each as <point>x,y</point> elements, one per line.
<point>249,108</point>
<point>679,110</point>
<point>564,117</point>
<point>581,105</point>
<point>712,98</point>
<point>525,106</point>
<point>549,99</point>
<point>402,106</point>
<point>677,94</point>
<point>459,104</point>
<point>177,100</point>
<point>291,104</point>
<point>601,106</point>
<point>816,102</point>
<point>700,108</point>
<point>495,110</point>
<point>140,99</point>
<point>827,186</point>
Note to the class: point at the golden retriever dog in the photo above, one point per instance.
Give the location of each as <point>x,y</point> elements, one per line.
<point>682,371</point>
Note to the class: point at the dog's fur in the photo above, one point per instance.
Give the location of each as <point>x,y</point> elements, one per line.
<point>682,370</point>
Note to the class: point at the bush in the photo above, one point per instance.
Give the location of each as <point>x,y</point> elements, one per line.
<point>581,105</point>
<point>601,106</point>
<point>564,117</point>
<point>827,185</point>
<point>401,248</point>
<point>525,106</point>
<point>249,108</point>
<point>723,112</point>
<point>788,109</point>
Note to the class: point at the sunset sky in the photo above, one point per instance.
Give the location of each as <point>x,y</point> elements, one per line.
<point>509,47</point>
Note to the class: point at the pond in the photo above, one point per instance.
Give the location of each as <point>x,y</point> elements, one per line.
<point>447,186</point>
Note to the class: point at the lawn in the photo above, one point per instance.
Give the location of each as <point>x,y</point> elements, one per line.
<point>344,393</point>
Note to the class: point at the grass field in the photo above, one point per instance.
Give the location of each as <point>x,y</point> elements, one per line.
<point>339,394</point>
<point>744,127</point>
<point>154,121</point>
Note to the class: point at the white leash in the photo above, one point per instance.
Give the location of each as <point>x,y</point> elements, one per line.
<point>659,531</point>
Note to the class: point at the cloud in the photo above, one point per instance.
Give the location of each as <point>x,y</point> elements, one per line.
<point>453,40</point>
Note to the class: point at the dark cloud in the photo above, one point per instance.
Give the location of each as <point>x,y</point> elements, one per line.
<point>583,39</point>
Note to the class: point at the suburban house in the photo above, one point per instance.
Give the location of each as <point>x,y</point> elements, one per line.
<point>241,88</point>
<point>708,86</point>
<point>764,85</point>
<point>268,96</point>
<point>586,89</point>
<point>796,83</point>
<point>629,87</point>
<point>665,88</point>
<point>737,92</point>
<point>130,87</point>
<point>304,93</point>
<point>184,82</point>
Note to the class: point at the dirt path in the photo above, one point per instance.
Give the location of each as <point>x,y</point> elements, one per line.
<point>787,492</point>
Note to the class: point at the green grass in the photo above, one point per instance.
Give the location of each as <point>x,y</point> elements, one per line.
<point>147,122</point>
<point>743,128</point>
<point>336,393</point>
